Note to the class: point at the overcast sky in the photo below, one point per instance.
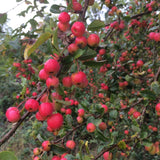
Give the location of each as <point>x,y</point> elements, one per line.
<point>14,20</point>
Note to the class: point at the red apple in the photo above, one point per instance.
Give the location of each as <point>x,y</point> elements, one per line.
<point>70,144</point>
<point>93,40</point>
<point>12,114</point>
<point>64,17</point>
<point>78,29</point>
<point>81,42</point>
<point>91,127</point>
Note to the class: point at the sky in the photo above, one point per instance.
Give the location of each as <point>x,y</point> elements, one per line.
<point>13,8</point>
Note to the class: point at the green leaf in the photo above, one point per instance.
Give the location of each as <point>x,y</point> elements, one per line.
<point>148,94</point>
<point>58,150</point>
<point>55,40</point>
<point>33,23</point>
<point>128,78</point>
<point>90,53</point>
<point>127,18</point>
<point>57,9</point>
<point>3,18</point>
<point>94,63</point>
<point>67,59</point>
<point>6,155</point>
<point>100,136</point>
<point>63,102</point>
<point>113,114</point>
<point>78,53</point>
<point>135,128</point>
<point>69,119</point>
<point>147,143</point>
<point>155,86</point>
<point>70,157</point>
<point>96,25</point>
<point>31,48</point>
<point>86,157</point>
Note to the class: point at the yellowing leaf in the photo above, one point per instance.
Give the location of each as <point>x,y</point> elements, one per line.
<point>28,46</point>
<point>29,49</point>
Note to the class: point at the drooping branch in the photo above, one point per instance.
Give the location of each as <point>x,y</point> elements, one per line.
<point>157,74</point>
<point>136,16</point>
<point>15,127</point>
<point>6,137</point>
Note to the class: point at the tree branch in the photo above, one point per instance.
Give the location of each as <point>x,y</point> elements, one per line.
<point>82,15</point>
<point>135,16</point>
<point>157,74</point>
<point>15,127</point>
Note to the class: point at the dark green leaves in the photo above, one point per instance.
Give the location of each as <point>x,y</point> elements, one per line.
<point>90,53</point>
<point>3,18</point>
<point>113,114</point>
<point>57,9</point>
<point>155,86</point>
<point>96,25</point>
<point>148,94</point>
<point>6,155</point>
<point>58,150</point>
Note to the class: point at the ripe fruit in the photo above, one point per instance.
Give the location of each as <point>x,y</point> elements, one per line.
<point>105,108</point>
<point>136,114</point>
<point>68,111</point>
<point>91,127</point>
<point>79,119</point>
<point>43,75</point>
<point>77,6</point>
<point>81,112</point>
<point>139,63</point>
<point>39,117</point>
<point>12,114</point>
<point>64,17</point>
<point>79,79</point>
<point>67,81</point>
<point>44,98</point>
<point>36,158</point>
<point>78,29</point>
<point>52,66</point>
<point>37,151</point>
<point>93,40</point>
<point>46,145</point>
<point>45,109</point>
<point>72,48</point>
<point>55,121</point>
<point>158,107</point>
<point>56,158</point>
<point>107,156</point>
<point>126,132</point>
<point>70,144</point>
<point>81,42</point>
<point>102,51</point>
<point>63,27</point>
<point>102,126</point>
<point>31,105</point>
<point>52,82</point>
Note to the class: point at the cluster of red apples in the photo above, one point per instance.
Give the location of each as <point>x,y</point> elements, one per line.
<point>78,30</point>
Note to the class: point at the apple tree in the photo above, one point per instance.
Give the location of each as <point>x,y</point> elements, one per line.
<point>90,77</point>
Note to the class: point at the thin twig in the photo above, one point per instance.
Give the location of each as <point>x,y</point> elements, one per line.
<point>157,74</point>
